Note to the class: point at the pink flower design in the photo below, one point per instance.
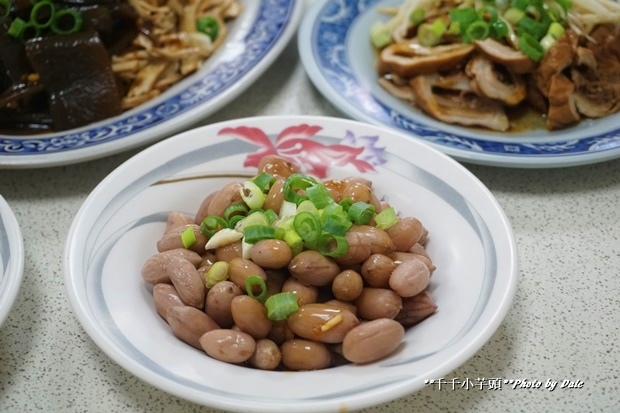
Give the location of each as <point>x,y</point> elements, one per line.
<point>294,145</point>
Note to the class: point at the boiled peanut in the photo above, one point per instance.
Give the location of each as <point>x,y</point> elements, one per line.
<point>410,278</point>
<point>347,285</point>
<point>276,166</point>
<point>313,268</point>
<point>305,294</point>
<point>300,355</point>
<point>218,302</point>
<point>154,269</point>
<point>227,196</point>
<point>280,332</point>
<point>406,233</point>
<point>250,316</point>
<point>203,208</point>
<point>275,196</point>
<point>400,257</point>
<point>374,303</point>
<point>416,309</point>
<point>271,253</point>
<point>189,324</point>
<point>363,241</point>
<point>372,340</point>
<point>177,219</point>
<point>186,281</point>
<point>357,192</point>
<point>322,322</point>
<point>172,239</point>
<point>241,269</point>
<point>419,250</point>
<point>267,355</point>
<point>347,305</point>
<point>377,269</point>
<point>275,281</point>
<point>164,297</point>
<point>229,251</point>
<point>228,345</point>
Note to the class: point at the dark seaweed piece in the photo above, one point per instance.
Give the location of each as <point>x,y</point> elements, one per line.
<point>76,72</point>
<point>12,54</point>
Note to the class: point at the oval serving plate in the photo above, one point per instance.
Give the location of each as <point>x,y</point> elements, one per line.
<point>11,259</point>
<point>256,39</point>
<point>116,230</point>
<point>336,52</point>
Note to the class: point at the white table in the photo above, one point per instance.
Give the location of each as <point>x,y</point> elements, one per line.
<point>564,324</point>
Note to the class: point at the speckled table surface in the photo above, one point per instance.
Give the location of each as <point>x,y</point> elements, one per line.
<point>564,323</point>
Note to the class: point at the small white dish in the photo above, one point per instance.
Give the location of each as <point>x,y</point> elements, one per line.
<point>117,227</point>
<point>256,39</point>
<point>11,259</point>
<point>335,50</point>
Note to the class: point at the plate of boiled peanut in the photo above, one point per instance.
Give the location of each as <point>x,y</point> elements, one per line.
<point>294,263</point>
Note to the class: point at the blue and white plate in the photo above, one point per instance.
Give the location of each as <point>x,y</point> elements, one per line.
<point>470,241</point>
<point>255,40</point>
<point>335,50</point>
<point>11,259</point>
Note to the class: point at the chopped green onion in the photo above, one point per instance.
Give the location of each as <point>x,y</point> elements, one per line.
<point>361,213</point>
<point>531,27</point>
<point>256,218</point>
<point>217,273</point>
<point>256,281</point>
<point>307,206</point>
<point>252,195</point>
<point>280,306</point>
<point>287,209</point>
<point>255,233</point>
<point>521,4</point>
<point>335,224</point>
<point>319,195</point>
<point>565,4</point>
<point>417,16</point>
<point>66,21</point>
<point>308,227</point>
<point>332,245</point>
<point>294,183</point>
<point>478,30</point>
<point>234,220</point>
<point>29,32</point>
<point>42,14</point>
<point>346,204</point>
<point>264,181</point>
<point>464,16</point>
<point>380,35</point>
<point>211,224</point>
<point>429,34</point>
<point>235,210</point>
<point>556,30</point>
<point>188,237</point>
<point>271,216</point>
<point>547,42</point>
<point>530,46</point>
<point>5,7</point>
<point>454,28</point>
<point>386,218</point>
<point>17,27</point>
<point>499,29</point>
<point>294,241</point>
<point>513,15</point>
<point>209,26</point>
<point>223,237</point>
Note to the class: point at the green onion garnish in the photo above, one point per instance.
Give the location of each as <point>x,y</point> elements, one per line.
<point>17,27</point>
<point>556,30</point>
<point>478,30</point>
<point>521,4</point>
<point>188,237</point>
<point>5,7</point>
<point>530,46</point>
<point>209,26</point>
<point>361,213</point>
<point>211,224</point>
<point>308,227</point>
<point>307,206</point>
<point>280,306</point>
<point>380,35</point>
<point>255,218</point>
<point>513,15</point>
<point>217,273</point>
<point>294,241</point>
<point>66,21</point>
<point>499,29</point>
<point>271,216</point>
<point>235,210</point>
<point>386,218</point>
<point>255,233</point>
<point>42,14</point>
<point>332,245</point>
<point>234,220</point>
<point>294,183</point>
<point>255,281</point>
<point>417,16</point>
<point>29,32</point>
<point>319,195</point>
<point>531,27</point>
<point>264,181</point>
<point>336,224</point>
<point>252,195</point>
<point>346,204</point>
<point>429,34</point>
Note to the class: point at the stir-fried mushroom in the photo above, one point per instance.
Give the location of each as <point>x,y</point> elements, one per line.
<point>461,108</point>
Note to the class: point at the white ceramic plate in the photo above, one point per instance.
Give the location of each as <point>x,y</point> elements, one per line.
<point>116,229</point>
<point>255,40</point>
<point>11,259</point>
<point>335,50</point>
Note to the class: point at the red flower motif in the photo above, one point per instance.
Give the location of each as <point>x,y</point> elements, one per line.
<point>294,145</point>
